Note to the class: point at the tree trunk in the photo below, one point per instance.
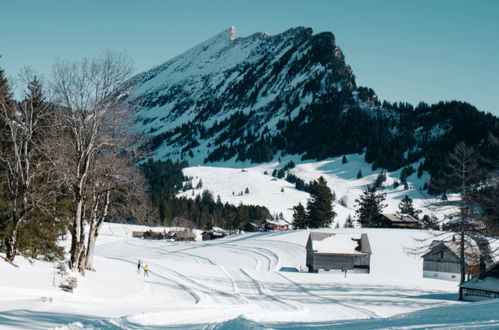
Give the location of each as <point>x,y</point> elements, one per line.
<point>94,231</point>
<point>77,233</point>
<point>11,246</point>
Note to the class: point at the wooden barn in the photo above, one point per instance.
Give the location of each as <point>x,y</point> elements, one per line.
<point>252,227</point>
<point>483,287</point>
<point>395,220</point>
<point>185,236</point>
<point>442,261</point>
<point>338,252</point>
<point>214,233</point>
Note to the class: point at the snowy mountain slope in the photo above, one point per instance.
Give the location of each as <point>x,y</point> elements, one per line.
<point>261,78</point>
<point>199,285</point>
<point>257,97</point>
<point>265,190</point>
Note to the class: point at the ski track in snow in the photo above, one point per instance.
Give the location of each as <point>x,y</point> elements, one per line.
<point>321,299</point>
<point>182,286</point>
<point>192,285</point>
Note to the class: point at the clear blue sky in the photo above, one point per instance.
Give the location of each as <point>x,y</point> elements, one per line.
<point>405,50</point>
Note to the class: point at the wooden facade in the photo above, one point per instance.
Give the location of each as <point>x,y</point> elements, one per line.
<point>442,262</point>
<point>276,225</point>
<point>357,261</point>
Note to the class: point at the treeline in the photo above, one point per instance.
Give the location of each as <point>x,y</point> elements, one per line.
<point>203,211</point>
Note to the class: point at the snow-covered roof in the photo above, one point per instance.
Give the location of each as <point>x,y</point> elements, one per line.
<point>278,222</point>
<point>471,255</point>
<point>487,284</point>
<point>338,243</point>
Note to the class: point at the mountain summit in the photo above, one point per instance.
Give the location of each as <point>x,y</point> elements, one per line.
<point>250,98</point>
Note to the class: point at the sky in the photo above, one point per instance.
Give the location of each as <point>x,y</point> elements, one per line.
<point>407,51</point>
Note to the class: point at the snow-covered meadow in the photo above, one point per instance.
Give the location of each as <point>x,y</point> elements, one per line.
<point>232,282</point>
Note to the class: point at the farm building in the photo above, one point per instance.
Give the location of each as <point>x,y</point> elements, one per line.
<point>252,227</point>
<point>483,287</point>
<point>395,220</point>
<point>184,236</point>
<point>442,261</point>
<point>276,225</point>
<point>214,233</point>
<point>338,252</point>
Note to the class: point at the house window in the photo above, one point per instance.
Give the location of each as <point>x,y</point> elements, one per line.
<point>442,255</point>
<point>453,276</point>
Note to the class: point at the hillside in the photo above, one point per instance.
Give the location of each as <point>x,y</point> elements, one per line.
<point>258,97</point>
<point>203,284</point>
<point>230,182</point>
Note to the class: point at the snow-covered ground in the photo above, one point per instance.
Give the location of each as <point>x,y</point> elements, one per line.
<point>229,179</point>
<point>233,282</point>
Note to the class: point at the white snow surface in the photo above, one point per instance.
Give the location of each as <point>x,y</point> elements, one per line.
<point>234,283</point>
<point>229,180</point>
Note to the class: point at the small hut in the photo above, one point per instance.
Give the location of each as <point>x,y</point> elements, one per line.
<point>442,261</point>
<point>276,224</point>
<point>395,220</point>
<point>483,287</point>
<point>185,236</point>
<point>338,252</point>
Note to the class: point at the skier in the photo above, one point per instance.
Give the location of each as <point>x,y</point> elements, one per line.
<point>139,266</point>
<point>146,271</point>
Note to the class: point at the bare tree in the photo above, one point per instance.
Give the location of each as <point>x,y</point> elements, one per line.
<point>114,178</point>
<point>85,91</point>
<point>25,174</point>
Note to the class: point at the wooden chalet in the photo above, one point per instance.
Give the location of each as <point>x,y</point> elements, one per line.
<point>442,261</point>
<point>276,225</point>
<point>395,220</point>
<point>483,287</point>
<point>338,252</point>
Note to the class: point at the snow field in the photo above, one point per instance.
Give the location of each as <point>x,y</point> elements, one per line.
<point>265,190</point>
<point>201,284</point>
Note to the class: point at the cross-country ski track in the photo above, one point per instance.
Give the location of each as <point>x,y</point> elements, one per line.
<point>231,282</point>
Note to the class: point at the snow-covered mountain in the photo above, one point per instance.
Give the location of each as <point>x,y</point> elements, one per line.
<point>261,96</point>
<point>228,89</point>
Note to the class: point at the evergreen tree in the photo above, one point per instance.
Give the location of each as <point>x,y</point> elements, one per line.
<point>406,206</point>
<point>246,191</point>
<point>359,174</point>
<point>429,222</point>
<point>369,206</point>
<point>379,180</point>
<point>282,189</point>
<point>420,170</point>
<point>320,211</point>
<point>299,217</point>
<point>344,160</point>
<point>349,222</point>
